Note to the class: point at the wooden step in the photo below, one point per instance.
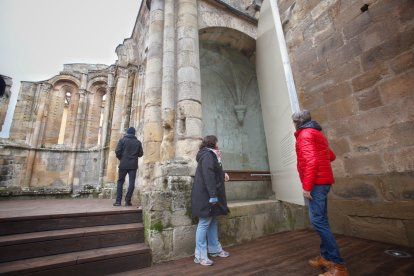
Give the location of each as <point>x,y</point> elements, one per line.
<point>101,261</point>
<point>38,223</point>
<point>38,244</point>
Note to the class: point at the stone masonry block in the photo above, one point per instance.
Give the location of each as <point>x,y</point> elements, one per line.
<point>190,109</point>
<point>187,148</point>
<point>399,161</point>
<point>391,48</point>
<point>357,25</point>
<point>161,244</point>
<point>370,78</point>
<point>153,132</point>
<point>383,229</point>
<point>341,108</point>
<point>403,62</point>
<point>183,241</point>
<point>336,92</point>
<point>360,164</point>
<point>344,53</point>
<point>187,59</point>
<point>152,114</point>
<point>329,45</point>
<point>398,87</point>
<point>187,90</point>
<point>369,99</point>
<point>188,74</point>
<point>151,152</point>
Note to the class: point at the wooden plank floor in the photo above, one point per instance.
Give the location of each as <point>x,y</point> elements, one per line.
<point>287,254</point>
<point>10,209</point>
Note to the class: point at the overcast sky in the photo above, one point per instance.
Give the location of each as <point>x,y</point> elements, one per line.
<point>38,36</point>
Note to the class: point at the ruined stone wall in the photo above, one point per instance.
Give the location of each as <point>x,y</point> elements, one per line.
<point>54,172</point>
<point>353,66</point>
<point>4,98</point>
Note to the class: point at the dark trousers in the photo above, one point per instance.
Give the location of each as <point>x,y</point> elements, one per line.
<point>318,213</point>
<point>121,179</point>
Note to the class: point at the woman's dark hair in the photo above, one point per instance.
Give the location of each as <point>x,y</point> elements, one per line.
<point>209,141</point>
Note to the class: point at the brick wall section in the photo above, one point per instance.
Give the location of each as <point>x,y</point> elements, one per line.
<point>354,71</point>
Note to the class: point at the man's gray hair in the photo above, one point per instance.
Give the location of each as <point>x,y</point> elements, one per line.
<point>301,117</point>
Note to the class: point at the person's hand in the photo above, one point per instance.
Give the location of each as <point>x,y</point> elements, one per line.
<point>307,195</point>
<point>213,200</point>
<point>226,177</point>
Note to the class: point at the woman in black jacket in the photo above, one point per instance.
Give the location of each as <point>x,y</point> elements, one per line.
<point>208,200</point>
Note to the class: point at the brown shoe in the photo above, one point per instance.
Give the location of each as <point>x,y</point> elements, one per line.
<point>336,270</point>
<point>321,262</point>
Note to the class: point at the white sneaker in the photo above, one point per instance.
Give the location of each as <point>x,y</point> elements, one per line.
<point>203,262</point>
<point>222,254</point>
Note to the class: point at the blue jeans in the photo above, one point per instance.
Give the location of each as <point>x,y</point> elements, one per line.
<point>207,232</point>
<point>318,214</point>
<point>131,186</point>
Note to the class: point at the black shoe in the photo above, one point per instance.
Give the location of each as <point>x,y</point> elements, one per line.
<point>128,204</point>
<point>117,204</point>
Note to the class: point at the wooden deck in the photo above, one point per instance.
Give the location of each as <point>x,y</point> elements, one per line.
<point>279,254</point>
<point>287,254</point>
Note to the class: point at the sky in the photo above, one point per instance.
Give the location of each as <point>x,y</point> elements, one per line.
<point>38,36</point>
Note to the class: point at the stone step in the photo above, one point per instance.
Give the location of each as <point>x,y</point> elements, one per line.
<point>101,261</point>
<point>38,223</point>
<point>250,219</point>
<point>39,244</point>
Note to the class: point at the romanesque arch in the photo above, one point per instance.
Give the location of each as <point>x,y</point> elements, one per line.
<point>61,112</point>
<point>97,88</point>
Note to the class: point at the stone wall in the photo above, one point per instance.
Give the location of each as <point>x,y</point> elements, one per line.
<point>353,65</point>
<point>53,172</point>
<point>5,96</point>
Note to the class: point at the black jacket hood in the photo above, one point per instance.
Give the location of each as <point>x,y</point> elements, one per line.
<point>311,124</point>
<point>202,153</point>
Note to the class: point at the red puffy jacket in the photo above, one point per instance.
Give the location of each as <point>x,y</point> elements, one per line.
<point>314,156</point>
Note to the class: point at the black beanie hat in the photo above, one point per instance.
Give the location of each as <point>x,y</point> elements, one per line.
<point>131,130</point>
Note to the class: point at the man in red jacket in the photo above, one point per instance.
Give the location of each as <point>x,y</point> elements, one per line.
<point>314,166</point>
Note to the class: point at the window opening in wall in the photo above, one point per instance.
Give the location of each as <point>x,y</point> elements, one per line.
<point>61,138</point>
<point>101,118</point>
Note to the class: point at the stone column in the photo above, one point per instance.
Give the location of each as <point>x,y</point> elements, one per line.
<point>189,125</point>
<point>43,91</point>
<point>118,120</point>
<point>166,201</point>
<point>168,83</point>
<point>105,126</point>
<point>152,115</point>
<point>80,116</point>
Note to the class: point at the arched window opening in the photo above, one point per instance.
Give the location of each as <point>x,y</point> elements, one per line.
<point>61,139</point>
<point>101,118</point>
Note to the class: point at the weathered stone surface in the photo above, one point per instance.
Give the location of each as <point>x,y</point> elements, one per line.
<point>387,50</point>
<point>398,87</point>
<point>390,230</point>
<point>370,78</point>
<point>403,62</point>
<point>341,108</point>
<point>364,164</point>
<point>184,241</point>
<point>399,161</point>
<point>369,99</point>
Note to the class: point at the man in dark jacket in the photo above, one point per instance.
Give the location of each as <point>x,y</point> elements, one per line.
<point>314,166</point>
<point>128,150</point>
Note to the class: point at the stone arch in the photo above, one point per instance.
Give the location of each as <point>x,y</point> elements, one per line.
<point>230,96</point>
<point>210,15</point>
<point>96,81</point>
<point>96,104</point>
<point>61,110</point>
<point>65,78</point>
